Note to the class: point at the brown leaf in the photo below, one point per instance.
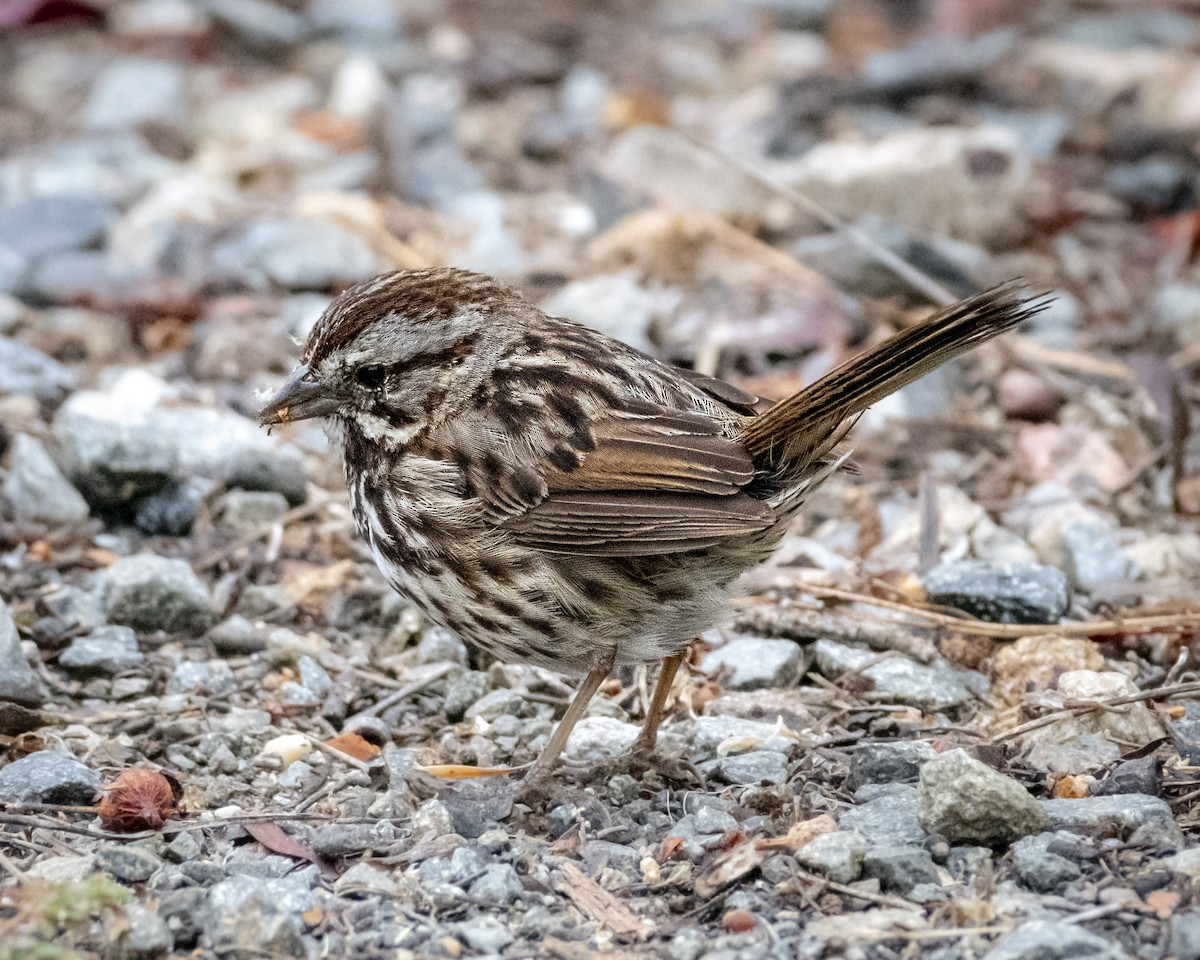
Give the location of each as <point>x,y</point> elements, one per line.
<point>596,903</point>
<point>353,745</point>
<point>274,838</point>
<point>729,867</point>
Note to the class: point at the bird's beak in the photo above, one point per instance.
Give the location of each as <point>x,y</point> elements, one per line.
<point>300,398</point>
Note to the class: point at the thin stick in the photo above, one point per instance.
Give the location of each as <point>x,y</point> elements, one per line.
<point>405,692</point>
<point>915,278</point>
<point>1089,706</point>
<point>965,624</point>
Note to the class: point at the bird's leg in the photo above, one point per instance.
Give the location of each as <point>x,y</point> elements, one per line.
<point>591,683</point>
<point>649,734</point>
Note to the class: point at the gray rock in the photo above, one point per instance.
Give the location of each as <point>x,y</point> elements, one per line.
<point>756,662</point>
<point>48,777</point>
<point>1185,732</point>
<point>499,884</point>
<point>36,489</point>
<point>965,863</point>
<point>112,458</point>
<point>1073,751</point>
<point>102,653</point>
<point>437,645</point>
<point>1053,940</point>
<point>147,935</point>
<point>838,855</point>
<point>498,703</point>
<point>297,255</point>
<point>1124,815</point>
<point>73,276</point>
<point>51,223</point>
<point>668,166</point>
<point>246,511</point>
<point>598,738</point>
<point>1094,557</point>
<point>248,915</point>
<point>965,182</point>
<point>968,802</point>
<point>485,934</point>
<point>1177,305</point>
<point>169,513</point>
<point>889,815</point>
<point>336,841</point>
<point>277,470</point>
<point>1000,592</point>
<point>46,224</point>
<point>757,766</point>
<point>133,90</point>
<point>18,682</point>
<point>1153,185</point>
<point>313,677</point>
<point>14,269</point>
<point>464,690</point>
<point>149,593</point>
<point>79,610</point>
<point>364,21</point>
<point>1183,935</point>
<point>899,868</point>
<point>184,846</point>
<point>1041,868</point>
<point>935,686</point>
<point>260,24</point>
<point>702,831</point>
<point>129,864</point>
<point>26,372</point>
<point>898,762</point>
<point>706,734</point>
<point>237,636</point>
<point>764,705</point>
<point>213,676</point>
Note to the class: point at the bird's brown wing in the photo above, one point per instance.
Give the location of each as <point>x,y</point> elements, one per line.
<point>654,483</point>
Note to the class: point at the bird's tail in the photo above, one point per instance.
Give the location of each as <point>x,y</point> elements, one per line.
<point>799,428</point>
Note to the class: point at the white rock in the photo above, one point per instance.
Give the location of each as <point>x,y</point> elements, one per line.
<point>36,489</point>
<point>599,738</point>
<point>289,747</point>
<point>757,662</point>
<point>964,182</point>
<point>1083,742</point>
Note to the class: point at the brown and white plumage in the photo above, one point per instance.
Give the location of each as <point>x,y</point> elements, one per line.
<point>556,496</point>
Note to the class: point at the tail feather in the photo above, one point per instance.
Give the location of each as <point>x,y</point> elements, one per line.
<point>798,427</point>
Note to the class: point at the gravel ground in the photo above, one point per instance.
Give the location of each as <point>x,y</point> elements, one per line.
<point>956,717</point>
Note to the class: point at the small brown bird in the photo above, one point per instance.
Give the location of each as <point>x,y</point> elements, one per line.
<point>556,496</point>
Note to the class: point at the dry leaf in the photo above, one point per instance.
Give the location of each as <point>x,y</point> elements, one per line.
<point>800,834</point>
<point>462,771</point>
<point>671,846</point>
<point>353,745</point>
<point>729,867</point>
<point>274,838</point>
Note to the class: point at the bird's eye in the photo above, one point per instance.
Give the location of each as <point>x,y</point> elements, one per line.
<point>370,376</point>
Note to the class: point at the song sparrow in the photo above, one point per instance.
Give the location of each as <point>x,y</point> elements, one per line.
<point>557,497</point>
